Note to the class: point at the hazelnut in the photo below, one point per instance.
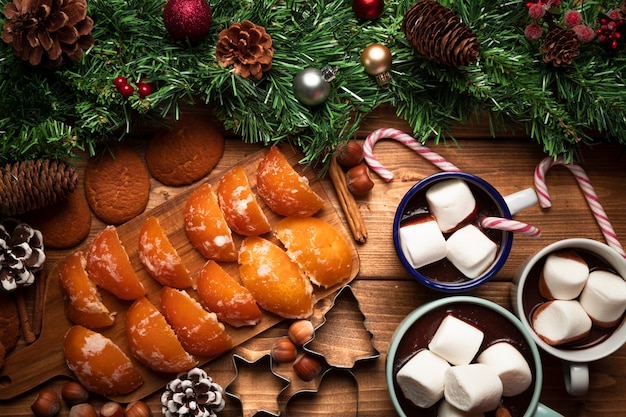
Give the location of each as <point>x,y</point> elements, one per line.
<point>349,154</point>
<point>82,410</point>
<point>307,367</point>
<point>74,393</point>
<point>284,350</point>
<point>301,331</point>
<point>47,403</point>
<point>138,409</point>
<point>112,409</point>
<point>358,180</point>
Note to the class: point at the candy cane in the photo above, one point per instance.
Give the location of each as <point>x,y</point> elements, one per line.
<point>407,140</point>
<point>590,195</point>
<point>509,225</point>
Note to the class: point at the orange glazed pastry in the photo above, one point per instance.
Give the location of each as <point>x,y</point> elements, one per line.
<point>82,301</point>
<point>108,265</point>
<point>222,294</point>
<point>160,258</point>
<point>206,227</point>
<point>283,189</point>
<point>318,247</point>
<point>98,363</point>
<point>152,341</point>
<point>241,209</point>
<point>276,283</point>
<point>199,331</point>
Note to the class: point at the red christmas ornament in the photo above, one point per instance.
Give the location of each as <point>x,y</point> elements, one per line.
<point>368,9</point>
<point>126,90</point>
<point>188,19</point>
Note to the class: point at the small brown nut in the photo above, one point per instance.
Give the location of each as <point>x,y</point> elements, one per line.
<point>358,180</point>
<point>82,410</point>
<point>138,409</point>
<point>74,393</point>
<point>300,332</point>
<point>47,403</point>
<point>307,367</point>
<point>284,350</point>
<point>349,154</point>
<point>112,409</point>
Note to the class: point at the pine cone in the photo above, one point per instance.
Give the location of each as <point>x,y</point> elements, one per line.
<point>47,30</point>
<point>560,47</point>
<point>21,254</point>
<point>192,393</point>
<point>29,185</point>
<point>247,47</point>
<point>438,34</point>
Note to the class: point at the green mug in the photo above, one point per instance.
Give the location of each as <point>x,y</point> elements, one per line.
<point>497,324</point>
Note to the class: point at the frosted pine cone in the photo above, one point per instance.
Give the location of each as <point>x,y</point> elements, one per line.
<point>246,47</point>
<point>192,393</point>
<point>21,254</point>
<point>47,30</point>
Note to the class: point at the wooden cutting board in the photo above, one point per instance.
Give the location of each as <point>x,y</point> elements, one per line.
<point>42,360</point>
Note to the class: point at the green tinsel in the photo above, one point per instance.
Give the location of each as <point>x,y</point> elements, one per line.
<point>46,113</point>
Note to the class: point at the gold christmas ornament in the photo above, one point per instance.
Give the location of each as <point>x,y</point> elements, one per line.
<point>438,34</point>
<point>47,30</point>
<point>247,47</point>
<point>376,61</point>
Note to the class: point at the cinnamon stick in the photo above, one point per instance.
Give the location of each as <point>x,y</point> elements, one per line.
<point>40,291</point>
<point>27,331</point>
<point>347,202</point>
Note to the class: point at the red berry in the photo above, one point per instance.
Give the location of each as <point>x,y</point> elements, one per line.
<point>144,89</point>
<point>120,81</point>
<point>126,90</point>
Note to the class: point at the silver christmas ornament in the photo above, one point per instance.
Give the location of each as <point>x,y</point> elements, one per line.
<point>311,86</point>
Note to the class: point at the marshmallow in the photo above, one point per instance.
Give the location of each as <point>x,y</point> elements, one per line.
<point>509,365</point>
<point>456,340</point>
<point>422,242</point>
<point>452,203</point>
<point>604,298</point>
<point>421,378</point>
<point>448,410</point>
<point>471,251</point>
<point>563,275</point>
<point>472,388</point>
<point>561,321</point>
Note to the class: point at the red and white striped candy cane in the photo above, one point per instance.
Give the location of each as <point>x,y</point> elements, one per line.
<point>407,140</point>
<point>509,225</point>
<point>590,195</point>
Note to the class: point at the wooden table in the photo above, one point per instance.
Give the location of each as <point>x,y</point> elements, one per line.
<point>386,293</point>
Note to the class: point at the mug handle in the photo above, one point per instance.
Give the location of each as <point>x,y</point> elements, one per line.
<point>520,200</point>
<point>543,411</point>
<point>576,376</point>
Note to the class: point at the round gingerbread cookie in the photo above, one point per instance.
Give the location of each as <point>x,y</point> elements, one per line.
<point>186,151</point>
<point>64,224</point>
<point>117,184</point>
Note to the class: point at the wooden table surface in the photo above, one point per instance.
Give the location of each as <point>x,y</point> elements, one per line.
<point>386,293</point>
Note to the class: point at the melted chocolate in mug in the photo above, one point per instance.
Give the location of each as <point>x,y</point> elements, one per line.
<point>531,299</point>
<point>495,327</point>
<point>443,270</point>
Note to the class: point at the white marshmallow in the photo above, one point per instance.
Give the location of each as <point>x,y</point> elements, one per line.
<point>422,242</point>
<point>421,378</point>
<point>471,251</point>
<point>448,410</point>
<point>473,388</point>
<point>563,275</point>
<point>561,321</point>
<point>452,203</point>
<point>456,340</point>
<point>604,298</point>
<point>510,365</point>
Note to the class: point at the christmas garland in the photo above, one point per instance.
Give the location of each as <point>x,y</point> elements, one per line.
<point>562,91</point>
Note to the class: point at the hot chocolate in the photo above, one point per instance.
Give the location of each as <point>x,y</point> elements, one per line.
<point>496,328</point>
